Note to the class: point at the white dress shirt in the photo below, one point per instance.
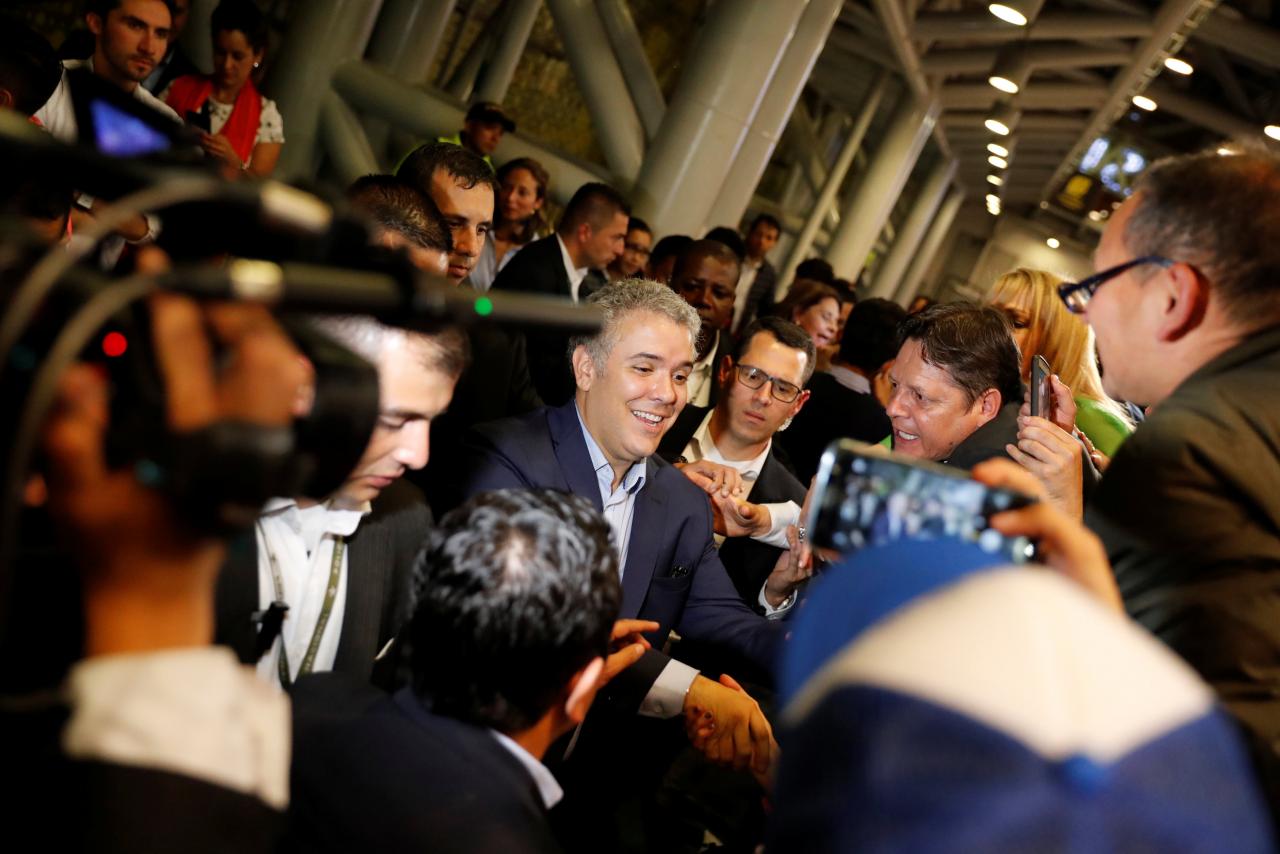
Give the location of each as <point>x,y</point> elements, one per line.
<point>666,698</point>
<point>196,712</point>
<point>301,539</point>
<point>703,447</point>
<point>851,380</point>
<point>58,115</point>
<point>548,789</point>
<point>576,274</point>
<point>701,377</point>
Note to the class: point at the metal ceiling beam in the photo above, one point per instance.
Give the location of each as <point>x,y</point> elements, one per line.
<point>1174,21</point>
<point>1030,122</point>
<point>1045,96</point>
<point>1236,34</point>
<point>982,26</point>
<point>1203,113</point>
<point>898,30</point>
<point>1046,55</point>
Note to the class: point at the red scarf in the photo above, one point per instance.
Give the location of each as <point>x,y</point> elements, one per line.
<point>188,94</point>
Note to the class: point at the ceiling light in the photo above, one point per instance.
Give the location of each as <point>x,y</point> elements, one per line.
<point>1053,243</point>
<point>1095,216</point>
<point>1044,206</point>
<point>1179,66</point>
<point>994,211</point>
<point>998,162</point>
<point>1008,14</point>
<point>995,179</point>
<point>1224,151</point>
<point>1142,102</point>
<point>1003,118</point>
<point>1004,84</point>
<point>997,149</point>
<point>993,199</point>
<point>1272,131</point>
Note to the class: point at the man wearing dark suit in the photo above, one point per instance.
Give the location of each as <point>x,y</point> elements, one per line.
<point>630,378</point>
<point>842,403</point>
<point>517,593</point>
<point>759,279</point>
<point>706,275</point>
<point>590,236</point>
<point>762,388</point>
<point>341,566</point>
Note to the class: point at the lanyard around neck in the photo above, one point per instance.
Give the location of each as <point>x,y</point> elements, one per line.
<point>330,594</point>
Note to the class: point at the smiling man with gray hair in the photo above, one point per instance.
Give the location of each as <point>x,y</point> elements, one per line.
<point>630,380</point>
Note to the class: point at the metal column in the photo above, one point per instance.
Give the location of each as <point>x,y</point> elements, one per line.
<point>775,111</point>
<point>408,36</point>
<point>322,34</point>
<point>818,213</point>
<point>867,211</point>
<point>496,78</point>
<point>938,229</point>
<point>598,75</point>
<point>729,68</point>
<point>889,276</point>
<point>641,81</point>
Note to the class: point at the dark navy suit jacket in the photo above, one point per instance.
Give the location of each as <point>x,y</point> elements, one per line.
<point>673,573</point>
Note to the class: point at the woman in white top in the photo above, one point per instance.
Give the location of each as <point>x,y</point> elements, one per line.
<point>245,130</point>
<point>517,220</point>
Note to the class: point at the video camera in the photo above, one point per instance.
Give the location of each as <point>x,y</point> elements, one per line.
<point>296,251</point>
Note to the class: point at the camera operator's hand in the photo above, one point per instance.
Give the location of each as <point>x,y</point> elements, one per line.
<point>1064,544</point>
<point>148,580</point>
<point>726,725</point>
<point>1054,457</point>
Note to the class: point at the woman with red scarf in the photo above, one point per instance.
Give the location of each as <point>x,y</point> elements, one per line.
<point>245,130</point>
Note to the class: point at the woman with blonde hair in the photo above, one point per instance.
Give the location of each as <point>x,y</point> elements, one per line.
<point>1043,326</point>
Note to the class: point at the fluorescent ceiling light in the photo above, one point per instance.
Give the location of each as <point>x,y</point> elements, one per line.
<point>1008,14</point>
<point>1179,66</point>
<point>998,162</point>
<point>1004,84</point>
<point>993,199</point>
<point>995,179</point>
<point>1053,243</point>
<point>997,149</point>
<point>1272,131</point>
<point>1144,103</point>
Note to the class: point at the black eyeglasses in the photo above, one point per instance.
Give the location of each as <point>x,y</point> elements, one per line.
<point>753,378</point>
<point>1077,294</point>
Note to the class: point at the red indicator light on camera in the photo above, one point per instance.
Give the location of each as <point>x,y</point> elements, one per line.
<point>114,344</point>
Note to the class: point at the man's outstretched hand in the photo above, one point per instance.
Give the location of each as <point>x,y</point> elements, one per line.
<point>727,726</point>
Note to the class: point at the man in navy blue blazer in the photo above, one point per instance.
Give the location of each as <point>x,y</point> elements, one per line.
<point>630,387</point>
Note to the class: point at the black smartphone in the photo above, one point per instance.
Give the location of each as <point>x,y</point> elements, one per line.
<point>1041,392</point>
<point>866,496</point>
<point>198,119</point>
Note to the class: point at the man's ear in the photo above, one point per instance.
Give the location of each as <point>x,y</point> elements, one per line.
<point>582,690</point>
<point>584,232</point>
<point>726,370</point>
<point>798,404</point>
<point>989,403</point>
<point>584,367</point>
<point>1185,299</point>
<point>95,22</point>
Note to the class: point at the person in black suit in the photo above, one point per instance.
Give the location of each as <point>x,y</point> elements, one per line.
<point>359,540</point>
<point>957,385</point>
<point>706,275</point>
<point>519,591</point>
<point>590,236</point>
<point>842,403</point>
<point>762,389</point>
<point>759,279</point>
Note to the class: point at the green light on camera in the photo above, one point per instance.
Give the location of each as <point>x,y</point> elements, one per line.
<point>484,306</point>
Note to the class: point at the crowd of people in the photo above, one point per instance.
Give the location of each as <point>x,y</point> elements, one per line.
<point>567,598</point>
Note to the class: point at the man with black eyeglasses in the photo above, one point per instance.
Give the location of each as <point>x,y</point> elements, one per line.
<point>728,451</point>
<point>1186,310</point>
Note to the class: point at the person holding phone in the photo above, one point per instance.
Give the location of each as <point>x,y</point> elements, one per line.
<point>238,125</point>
